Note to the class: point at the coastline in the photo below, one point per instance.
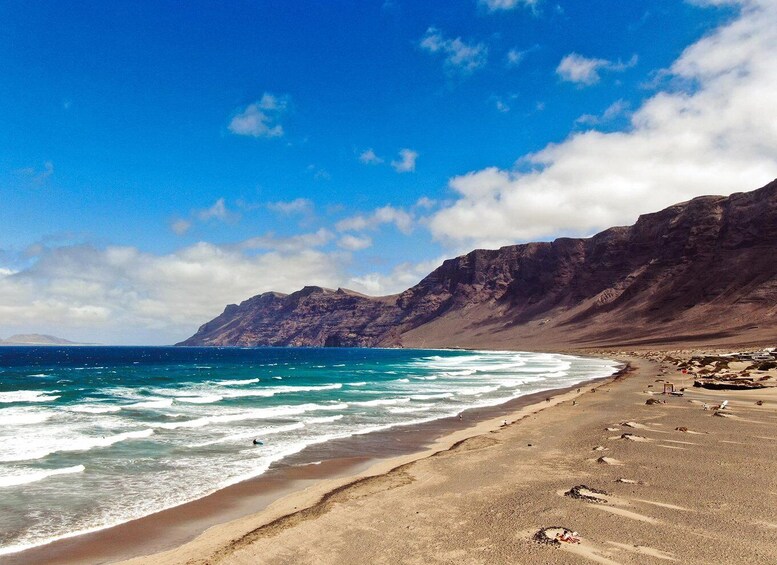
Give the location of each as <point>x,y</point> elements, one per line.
<point>313,469</point>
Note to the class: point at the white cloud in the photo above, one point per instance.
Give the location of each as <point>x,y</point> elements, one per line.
<point>426,203</point>
<point>180,226</point>
<point>460,57</point>
<point>515,57</point>
<point>380,216</point>
<point>615,110</point>
<point>503,5</point>
<point>368,157</point>
<point>584,71</point>
<point>218,211</point>
<point>123,295</point>
<point>717,134</point>
<point>295,243</point>
<point>37,178</point>
<point>406,161</point>
<point>354,243</point>
<point>296,206</point>
<point>260,119</point>
<point>502,106</point>
<point>401,277</point>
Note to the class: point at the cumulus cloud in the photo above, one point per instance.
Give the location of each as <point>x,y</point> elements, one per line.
<point>400,278</point>
<point>584,71</point>
<point>217,211</point>
<point>37,177</point>
<point>385,215</point>
<point>354,243</point>
<point>180,226</point>
<point>123,295</point>
<point>504,5</point>
<point>459,57</point>
<point>368,157</point>
<point>260,119</point>
<point>613,111</point>
<point>295,243</point>
<point>297,206</point>
<point>406,161</point>
<point>515,57</point>
<point>712,131</point>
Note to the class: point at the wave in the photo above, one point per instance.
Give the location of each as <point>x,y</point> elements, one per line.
<point>154,403</point>
<point>273,390</point>
<point>237,382</point>
<point>81,444</point>
<point>205,399</point>
<point>362,383</point>
<point>22,418</point>
<point>28,396</point>
<point>323,419</point>
<point>16,480</point>
<point>256,414</point>
<point>382,402</point>
<point>477,390</point>
<point>409,409</point>
<point>93,409</point>
<point>262,432</point>
<point>431,396</point>
<point>40,375</point>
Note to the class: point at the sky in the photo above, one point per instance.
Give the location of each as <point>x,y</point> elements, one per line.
<point>161,160</point>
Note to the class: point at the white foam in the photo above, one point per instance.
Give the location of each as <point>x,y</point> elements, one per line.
<point>362,383</point>
<point>11,417</point>
<point>83,443</point>
<point>476,391</point>
<point>153,403</point>
<point>255,414</point>
<point>23,479</point>
<point>27,396</point>
<point>237,382</point>
<point>323,419</point>
<point>93,409</point>
<point>382,402</point>
<point>286,389</point>
<point>207,399</point>
<point>431,396</point>
<point>261,432</point>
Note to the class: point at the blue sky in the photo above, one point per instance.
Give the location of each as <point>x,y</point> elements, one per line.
<point>159,160</point>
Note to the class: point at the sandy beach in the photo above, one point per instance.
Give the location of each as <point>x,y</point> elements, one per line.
<point>661,482</point>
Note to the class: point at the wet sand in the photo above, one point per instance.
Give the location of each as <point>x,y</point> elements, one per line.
<point>671,482</point>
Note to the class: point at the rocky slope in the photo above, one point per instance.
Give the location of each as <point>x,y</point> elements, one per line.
<point>703,271</point>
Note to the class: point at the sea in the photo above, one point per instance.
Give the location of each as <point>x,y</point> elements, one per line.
<point>91,437</point>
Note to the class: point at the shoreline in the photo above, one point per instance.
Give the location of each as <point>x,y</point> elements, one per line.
<point>640,476</point>
<point>333,464</point>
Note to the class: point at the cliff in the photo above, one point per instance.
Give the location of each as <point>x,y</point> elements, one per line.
<point>698,272</point>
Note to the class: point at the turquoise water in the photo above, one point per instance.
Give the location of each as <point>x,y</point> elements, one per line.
<point>95,436</point>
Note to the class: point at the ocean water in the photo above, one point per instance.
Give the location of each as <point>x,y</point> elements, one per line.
<point>95,436</point>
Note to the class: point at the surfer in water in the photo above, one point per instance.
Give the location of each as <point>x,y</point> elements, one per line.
<point>257,442</point>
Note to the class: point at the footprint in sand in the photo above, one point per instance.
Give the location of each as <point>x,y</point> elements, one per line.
<point>633,437</point>
<point>588,494</point>
<point>628,481</point>
<point>608,461</point>
<point>644,550</point>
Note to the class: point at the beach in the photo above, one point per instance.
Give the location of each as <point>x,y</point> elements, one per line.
<point>647,483</point>
<point>667,482</point>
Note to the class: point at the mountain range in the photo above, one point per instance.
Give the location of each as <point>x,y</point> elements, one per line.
<point>698,272</point>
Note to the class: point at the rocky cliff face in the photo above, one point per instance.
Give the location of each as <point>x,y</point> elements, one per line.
<point>703,271</point>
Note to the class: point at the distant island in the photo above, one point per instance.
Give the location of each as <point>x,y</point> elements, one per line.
<point>38,339</point>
